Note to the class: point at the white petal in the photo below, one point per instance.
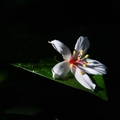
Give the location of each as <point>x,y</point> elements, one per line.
<point>83,79</point>
<point>60,69</point>
<point>82,44</point>
<point>94,67</point>
<point>61,48</point>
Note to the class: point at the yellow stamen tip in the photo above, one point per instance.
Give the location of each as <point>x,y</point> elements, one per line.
<point>81,52</point>
<point>81,72</point>
<point>87,63</point>
<point>84,65</point>
<point>74,52</point>
<point>78,58</point>
<point>86,56</point>
<point>71,65</point>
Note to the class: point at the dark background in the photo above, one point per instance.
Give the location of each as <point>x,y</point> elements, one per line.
<point>25,28</point>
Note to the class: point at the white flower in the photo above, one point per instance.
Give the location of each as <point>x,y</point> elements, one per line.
<point>78,63</point>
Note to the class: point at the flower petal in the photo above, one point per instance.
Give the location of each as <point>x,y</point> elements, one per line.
<point>61,48</point>
<point>60,69</point>
<point>94,67</point>
<point>83,79</point>
<point>82,44</point>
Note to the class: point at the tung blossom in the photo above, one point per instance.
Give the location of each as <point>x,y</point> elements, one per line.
<point>78,62</point>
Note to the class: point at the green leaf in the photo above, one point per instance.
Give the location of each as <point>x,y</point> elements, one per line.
<point>44,67</point>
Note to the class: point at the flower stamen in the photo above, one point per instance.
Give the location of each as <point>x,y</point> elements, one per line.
<point>84,65</point>
<point>78,58</point>
<point>71,65</point>
<point>81,52</point>
<point>86,56</point>
<point>87,63</point>
<point>74,52</point>
<point>81,72</point>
